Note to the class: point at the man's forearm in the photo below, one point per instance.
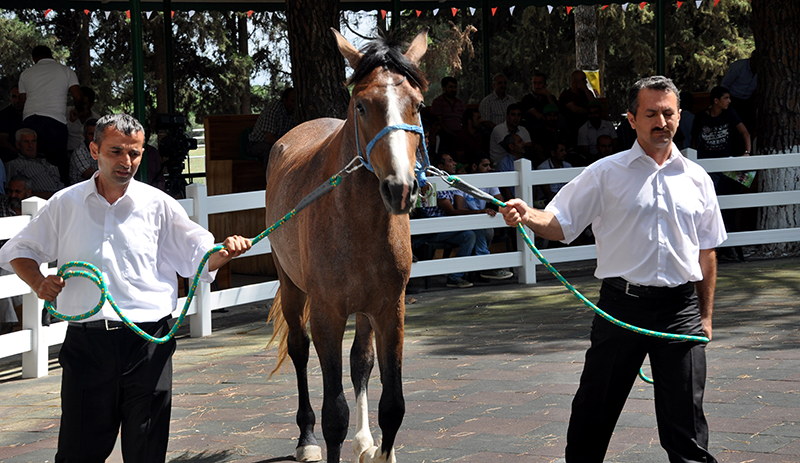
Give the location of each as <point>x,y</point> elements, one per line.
<point>706,287</point>
<point>545,224</point>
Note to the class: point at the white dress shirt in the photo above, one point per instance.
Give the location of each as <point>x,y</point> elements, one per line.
<point>139,243</point>
<point>496,150</point>
<point>46,87</point>
<point>650,222</point>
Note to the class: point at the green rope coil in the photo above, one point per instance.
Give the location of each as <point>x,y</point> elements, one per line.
<point>96,276</point>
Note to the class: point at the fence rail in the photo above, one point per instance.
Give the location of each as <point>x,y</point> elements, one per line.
<point>33,340</point>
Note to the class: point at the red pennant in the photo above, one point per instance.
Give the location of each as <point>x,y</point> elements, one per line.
<point>604,7</point>
<point>641,5</point>
<point>418,13</point>
<point>679,5</point>
<point>715,2</point>
<point>87,12</point>
<point>172,14</point>
<point>47,12</point>
<point>454,10</point>
<point>250,13</point>
<point>494,10</point>
<point>569,8</point>
<point>383,14</point>
<point>128,14</point>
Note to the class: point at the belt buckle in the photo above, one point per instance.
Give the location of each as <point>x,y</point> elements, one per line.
<point>627,289</point>
<point>110,328</point>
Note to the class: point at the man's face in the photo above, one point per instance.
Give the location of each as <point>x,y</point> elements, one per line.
<point>88,134</point>
<point>594,113</point>
<point>118,156</point>
<point>518,147</point>
<point>17,192</point>
<point>605,146</point>
<point>500,85</point>
<point>477,120</point>
<point>560,153</point>
<point>27,145</point>
<point>656,120</point>
<point>551,118</point>
<point>16,102</point>
<point>289,102</point>
<point>578,79</point>
<point>539,83</point>
<point>513,118</point>
<point>448,164</point>
<point>450,90</point>
<point>484,166</point>
<point>724,102</point>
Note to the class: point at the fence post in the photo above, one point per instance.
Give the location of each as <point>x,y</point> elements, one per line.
<point>527,273</point>
<point>200,322</point>
<point>35,361</point>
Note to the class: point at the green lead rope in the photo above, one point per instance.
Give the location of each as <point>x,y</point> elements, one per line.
<point>87,270</point>
<point>456,182</point>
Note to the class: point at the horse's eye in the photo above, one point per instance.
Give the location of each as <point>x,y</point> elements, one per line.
<point>421,105</point>
<point>360,108</point>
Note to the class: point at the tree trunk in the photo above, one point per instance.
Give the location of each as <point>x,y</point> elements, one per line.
<point>159,61</point>
<point>317,65</point>
<point>243,51</point>
<point>586,37</point>
<point>82,48</point>
<point>776,26</point>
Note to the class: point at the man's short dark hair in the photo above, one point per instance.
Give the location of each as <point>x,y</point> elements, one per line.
<point>447,79</point>
<point>21,178</point>
<point>540,74</point>
<point>123,123</point>
<point>652,83</point>
<point>467,116</point>
<point>286,92</point>
<point>41,51</point>
<point>89,94</point>
<point>507,141</point>
<point>718,92</point>
<point>512,107</point>
<point>91,122</point>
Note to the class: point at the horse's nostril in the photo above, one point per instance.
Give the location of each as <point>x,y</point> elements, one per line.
<point>414,187</point>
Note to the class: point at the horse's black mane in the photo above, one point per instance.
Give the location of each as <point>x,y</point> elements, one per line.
<point>385,52</point>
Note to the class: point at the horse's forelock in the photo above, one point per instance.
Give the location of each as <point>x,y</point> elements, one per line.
<point>386,53</point>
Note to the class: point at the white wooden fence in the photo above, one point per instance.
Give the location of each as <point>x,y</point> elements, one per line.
<point>34,340</point>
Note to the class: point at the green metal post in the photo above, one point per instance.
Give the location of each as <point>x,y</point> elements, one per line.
<point>487,81</point>
<point>169,56</point>
<point>138,74</point>
<point>661,58</point>
<point>395,14</point>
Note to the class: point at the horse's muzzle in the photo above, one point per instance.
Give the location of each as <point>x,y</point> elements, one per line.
<point>399,196</point>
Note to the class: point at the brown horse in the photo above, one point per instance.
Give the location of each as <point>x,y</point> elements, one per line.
<point>350,252</point>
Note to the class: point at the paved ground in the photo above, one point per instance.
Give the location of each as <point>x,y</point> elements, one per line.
<point>489,375</point>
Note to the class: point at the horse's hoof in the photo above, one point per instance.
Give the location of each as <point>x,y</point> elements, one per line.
<point>308,453</point>
<point>373,455</point>
<point>361,442</point>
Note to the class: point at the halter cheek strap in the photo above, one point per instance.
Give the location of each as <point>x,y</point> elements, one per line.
<point>419,166</point>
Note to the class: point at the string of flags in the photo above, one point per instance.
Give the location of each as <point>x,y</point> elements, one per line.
<point>453,11</point>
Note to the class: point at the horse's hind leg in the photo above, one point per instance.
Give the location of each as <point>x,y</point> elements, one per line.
<point>392,406</point>
<point>362,359</point>
<point>294,300</point>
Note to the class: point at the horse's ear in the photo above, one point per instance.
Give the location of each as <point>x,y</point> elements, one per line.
<point>347,50</point>
<point>418,47</point>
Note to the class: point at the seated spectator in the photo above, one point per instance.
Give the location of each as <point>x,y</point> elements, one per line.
<point>514,147</point>
<point>10,122</point>
<point>493,107</point>
<point>683,137</point>
<point>450,110</point>
<point>593,128</point>
<point>574,104</point>
<point>76,121</point>
<point>605,146</point>
<point>470,138</point>
<point>466,202</point>
<point>45,179</point>
<point>547,135</point>
<point>533,104</point>
<point>82,165</point>
<point>558,154</point>
<point>511,125</point>
<point>465,240</point>
<point>273,123</point>
<point>19,188</point>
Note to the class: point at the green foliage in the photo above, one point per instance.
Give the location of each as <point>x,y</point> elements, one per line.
<point>17,39</point>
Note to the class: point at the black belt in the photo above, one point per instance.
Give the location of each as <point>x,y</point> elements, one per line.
<point>108,325</point>
<point>649,292</point>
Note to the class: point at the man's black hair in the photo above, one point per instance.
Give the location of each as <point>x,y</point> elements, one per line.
<point>123,123</point>
<point>652,83</point>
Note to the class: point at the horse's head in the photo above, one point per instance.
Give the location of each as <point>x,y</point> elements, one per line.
<point>385,105</point>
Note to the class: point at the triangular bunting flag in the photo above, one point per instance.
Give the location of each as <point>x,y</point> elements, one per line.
<point>128,14</point>
<point>454,10</point>
<point>472,11</point>
<point>604,7</point>
<point>172,14</point>
<point>679,5</point>
<point>383,14</point>
<point>148,13</point>
<point>435,11</point>
<point>47,12</point>
<point>511,9</point>
<point>642,5</point>
<point>549,9</point>
<point>715,2</point>
<point>624,7</point>
<point>419,12</point>
<point>108,13</point>
<point>697,4</point>
<point>494,10</point>
<point>269,13</point>
<point>191,13</point>
<point>250,13</point>
<point>569,8</point>
<point>87,12</point>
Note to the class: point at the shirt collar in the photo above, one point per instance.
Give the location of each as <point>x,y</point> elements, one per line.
<point>90,187</point>
<point>637,152</point>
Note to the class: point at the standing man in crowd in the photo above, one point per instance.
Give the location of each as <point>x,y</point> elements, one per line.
<point>593,128</point>
<point>76,120</point>
<point>10,122</point>
<point>656,221</point>
<point>493,107</point>
<point>470,138</point>
<point>533,103</point>
<point>574,104</point>
<point>742,81</point>
<point>44,176</point>
<point>43,89</point>
<point>449,109</point>
<point>273,123</point>
<point>140,238</point>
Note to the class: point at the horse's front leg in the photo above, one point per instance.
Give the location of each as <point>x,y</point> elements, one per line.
<point>362,359</point>
<point>392,406</point>
<point>327,331</point>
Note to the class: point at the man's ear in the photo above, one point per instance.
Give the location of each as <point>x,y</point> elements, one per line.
<point>94,150</point>
<point>632,120</point>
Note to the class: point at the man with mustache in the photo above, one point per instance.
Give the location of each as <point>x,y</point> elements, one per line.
<point>656,221</point>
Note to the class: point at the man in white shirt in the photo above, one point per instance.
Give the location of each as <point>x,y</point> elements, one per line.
<point>592,129</point>
<point>656,221</point>
<point>510,126</point>
<point>43,90</point>
<point>139,238</point>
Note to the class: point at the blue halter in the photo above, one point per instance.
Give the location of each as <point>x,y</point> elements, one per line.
<point>419,166</point>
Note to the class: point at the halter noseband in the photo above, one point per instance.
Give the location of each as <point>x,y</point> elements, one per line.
<point>419,167</point>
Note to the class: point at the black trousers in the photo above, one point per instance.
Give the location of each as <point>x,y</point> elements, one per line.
<point>51,140</point>
<point>112,379</point>
<point>612,364</point>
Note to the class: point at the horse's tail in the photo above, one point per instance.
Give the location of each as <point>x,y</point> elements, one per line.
<point>280,330</point>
